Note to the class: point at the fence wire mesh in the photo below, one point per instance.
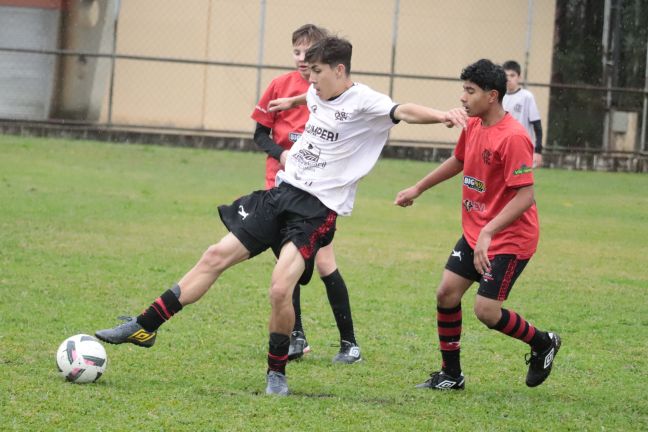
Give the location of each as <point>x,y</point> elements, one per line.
<point>202,65</point>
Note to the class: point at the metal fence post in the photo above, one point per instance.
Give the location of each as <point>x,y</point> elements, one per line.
<point>262,17</point>
<point>203,105</point>
<point>607,76</point>
<point>392,66</point>
<point>642,144</point>
<point>528,41</point>
<point>112,63</point>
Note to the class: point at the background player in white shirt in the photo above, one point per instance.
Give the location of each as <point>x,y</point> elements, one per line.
<point>521,104</point>
<point>346,130</point>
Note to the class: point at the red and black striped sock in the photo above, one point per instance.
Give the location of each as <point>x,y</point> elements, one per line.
<point>512,324</point>
<point>449,329</point>
<point>278,352</point>
<point>161,310</point>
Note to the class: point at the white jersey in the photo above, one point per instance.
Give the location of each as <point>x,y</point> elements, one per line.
<point>341,143</point>
<point>522,106</point>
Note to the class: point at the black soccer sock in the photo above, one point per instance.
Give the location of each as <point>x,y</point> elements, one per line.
<point>338,297</point>
<point>161,310</point>
<point>449,325</point>
<point>512,324</point>
<point>296,300</point>
<point>278,352</point>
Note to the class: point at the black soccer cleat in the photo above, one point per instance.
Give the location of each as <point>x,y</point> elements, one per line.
<point>129,331</point>
<point>442,381</point>
<point>298,346</point>
<point>349,353</point>
<point>540,364</point>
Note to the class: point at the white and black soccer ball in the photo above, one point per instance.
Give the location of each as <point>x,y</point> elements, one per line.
<point>81,359</point>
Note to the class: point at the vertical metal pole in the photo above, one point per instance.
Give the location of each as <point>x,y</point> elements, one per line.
<point>203,107</point>
<point>642,143</point>
<point>606,73</point>
<point>262,19</point>
<point>527,52</point>
<point>112,64</point>
<point>392,66</point>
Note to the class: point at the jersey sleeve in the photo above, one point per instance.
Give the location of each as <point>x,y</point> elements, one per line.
<point>378,106</point>
<point>460,148</point>
<point>260,113</point>
<point>517,157</point>
<point>311,94</point>
<point>534,114</point>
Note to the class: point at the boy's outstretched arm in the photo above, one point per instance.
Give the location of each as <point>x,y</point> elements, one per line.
<point>282,104</point>
<point>414,113</point>
<point>451,167</point>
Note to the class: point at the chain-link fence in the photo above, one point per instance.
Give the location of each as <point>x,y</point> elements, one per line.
<point>201,65</point>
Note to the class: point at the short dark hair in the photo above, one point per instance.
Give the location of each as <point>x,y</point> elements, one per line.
<point>487,75</point>
<point>512,65</point>
<point>332,51</point>
<point>309,33</point>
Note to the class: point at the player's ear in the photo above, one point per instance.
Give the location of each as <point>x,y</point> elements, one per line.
<point>340,70</point>
<point>493,96</point>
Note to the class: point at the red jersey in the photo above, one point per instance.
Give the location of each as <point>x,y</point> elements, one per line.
<point>286,126</point>
<point>496,161</point>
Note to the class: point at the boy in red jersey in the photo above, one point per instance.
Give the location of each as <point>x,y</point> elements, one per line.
<point>275,133</point>
<point>500,226</point>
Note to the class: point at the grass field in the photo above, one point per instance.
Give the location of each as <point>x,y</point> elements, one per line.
<point>89,231</point>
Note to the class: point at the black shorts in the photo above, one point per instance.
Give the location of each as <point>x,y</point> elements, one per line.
<point>270,218</point>
<point>495,284</point>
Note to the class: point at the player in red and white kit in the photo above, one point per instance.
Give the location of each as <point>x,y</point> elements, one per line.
<point>500,227</point>
<point>275,133</point>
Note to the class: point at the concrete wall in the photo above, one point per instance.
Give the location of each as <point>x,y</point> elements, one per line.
<point>435,37</point>
<point>83,82</point>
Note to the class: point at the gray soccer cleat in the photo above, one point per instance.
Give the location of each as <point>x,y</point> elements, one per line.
<point>129,331</point>
<point>277,384</point>
<point>349,353</point>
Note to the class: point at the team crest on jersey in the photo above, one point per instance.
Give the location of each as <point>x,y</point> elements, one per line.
<point>471,205</point>
<point>474,184</point>
<point>341,115</point>
<point>517,107</point>
<point>293,136</point>
<point>314,108</point>
<point>524,169</point>
<point>487,156</point>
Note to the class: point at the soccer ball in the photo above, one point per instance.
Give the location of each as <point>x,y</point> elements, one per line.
<point>81,359</point>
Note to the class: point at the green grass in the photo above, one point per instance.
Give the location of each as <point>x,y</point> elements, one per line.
<point>89,231</point>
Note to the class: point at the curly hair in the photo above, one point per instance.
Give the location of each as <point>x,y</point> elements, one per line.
<point>487,75</point>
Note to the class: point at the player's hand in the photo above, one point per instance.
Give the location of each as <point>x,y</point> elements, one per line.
<point>455,117</point>
<point>406,197</point>
<point>280,104</point>
<point>282,158</point>
<point>537,160</point>
<point>482,264</point>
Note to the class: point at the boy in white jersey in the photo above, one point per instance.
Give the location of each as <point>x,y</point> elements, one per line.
<point>347,128</point>
<point>521,104</point>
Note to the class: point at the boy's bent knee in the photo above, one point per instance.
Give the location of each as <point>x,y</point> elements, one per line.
<point>489,314</point>
<point>447,297</point>
<point>280,293</point>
